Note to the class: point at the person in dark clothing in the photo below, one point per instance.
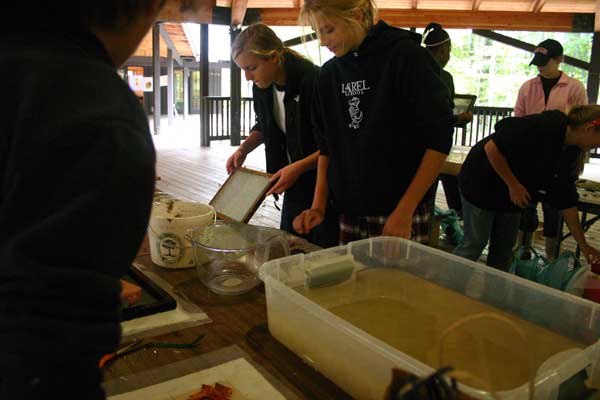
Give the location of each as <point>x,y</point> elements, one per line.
<point>552,89</point>
<point>282,93</point>
<point>438,42</point>
<point>76,183</point>
<point>502,175</point>
<point>384,123</point>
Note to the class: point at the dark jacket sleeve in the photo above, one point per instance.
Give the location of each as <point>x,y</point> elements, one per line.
<point>317,121</point>
<point>310,138</point>
<point>257,111</point>
<point>429,99</point>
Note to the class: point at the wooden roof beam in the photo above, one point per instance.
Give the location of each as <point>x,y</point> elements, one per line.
<point>453,19</point>
<point>238,12</point>
<point>597,17</point>
<point>537,5</point>
<point>165,35</point>
<point>198,11</point>
<point>476,5</point>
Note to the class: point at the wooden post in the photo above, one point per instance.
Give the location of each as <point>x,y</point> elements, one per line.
<point>186,91</point>
<point>594,71</point>
<point>156,76</point>
<point>236,96</point>
<point>204,109</point>
<point>170,86</point>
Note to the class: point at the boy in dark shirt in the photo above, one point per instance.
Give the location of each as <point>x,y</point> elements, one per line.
<point>76,183</point>
<point>502,175</point>
<point>552,89</point>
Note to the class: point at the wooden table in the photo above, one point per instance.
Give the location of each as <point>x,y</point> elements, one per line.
<point>233,317</point>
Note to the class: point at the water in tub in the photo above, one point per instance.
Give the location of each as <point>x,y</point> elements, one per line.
<point>410,314</point>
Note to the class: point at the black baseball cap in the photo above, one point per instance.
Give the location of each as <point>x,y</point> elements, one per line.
<point>546,50</point>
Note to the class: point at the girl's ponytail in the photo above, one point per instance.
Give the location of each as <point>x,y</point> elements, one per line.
<point>434,35</point>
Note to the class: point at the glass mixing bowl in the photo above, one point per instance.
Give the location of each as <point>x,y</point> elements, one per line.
<point>228,255</point>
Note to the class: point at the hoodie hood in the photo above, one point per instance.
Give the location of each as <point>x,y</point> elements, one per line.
<point>381,36</point>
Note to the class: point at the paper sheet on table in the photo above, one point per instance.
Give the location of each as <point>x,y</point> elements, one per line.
<point>239,374</point>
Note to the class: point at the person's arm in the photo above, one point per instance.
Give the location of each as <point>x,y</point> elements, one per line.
<point>520,105</point>
<point>464,118</point>
<point>571,217</point>
<point>580,97</point>
<point>433,119</point>
<point>518,193</point>
<point>399,223</point>
<point>308,219</point>
<point>238,157</point>
<point>288,175</point>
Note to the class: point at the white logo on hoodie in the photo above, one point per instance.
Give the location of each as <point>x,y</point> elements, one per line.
<point>355,114</point>
<point>354,89</point>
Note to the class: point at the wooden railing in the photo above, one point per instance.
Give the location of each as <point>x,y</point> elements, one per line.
<point>219,123</point>
<point>484,119</point>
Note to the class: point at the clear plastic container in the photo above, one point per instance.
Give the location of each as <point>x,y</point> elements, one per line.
<point>229,254</point>
<point>303,317</point>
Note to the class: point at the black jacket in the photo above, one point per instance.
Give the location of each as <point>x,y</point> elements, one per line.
<point>76,183</point>
<point>535,149</point>
<point>299,140</point>
<point>378,109</point>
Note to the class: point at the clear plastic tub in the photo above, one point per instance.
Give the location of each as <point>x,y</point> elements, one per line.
<point>306,293</point>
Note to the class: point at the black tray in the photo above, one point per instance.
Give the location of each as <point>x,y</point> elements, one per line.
<point>154,299</point>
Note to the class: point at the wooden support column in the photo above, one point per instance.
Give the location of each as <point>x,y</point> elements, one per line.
<point>170,86</point>
<point>204,109</point>
<point>236,96</point>
<point>594,71</point>
<point>156,76</point>
<point>186,92</point>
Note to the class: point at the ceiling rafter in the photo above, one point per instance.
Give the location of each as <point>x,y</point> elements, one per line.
<point>597,17</point>
<point>453,19</point>
<point>238,12</point>
<point>537,5</point>
<point>476,5</point>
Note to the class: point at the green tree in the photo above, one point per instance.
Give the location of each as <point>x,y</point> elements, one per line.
<point>494,72</point>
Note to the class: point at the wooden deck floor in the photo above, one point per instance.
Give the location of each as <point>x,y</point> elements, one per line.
<point>190,172</point>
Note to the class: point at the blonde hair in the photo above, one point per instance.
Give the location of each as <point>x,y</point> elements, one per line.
<point>260,40</point>
<point>581,115</point>
<point>343,9</point>
<point>578,116</point>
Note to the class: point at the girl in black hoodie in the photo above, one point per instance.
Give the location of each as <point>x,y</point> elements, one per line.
<point>282,93</point>
<point>384,123</point>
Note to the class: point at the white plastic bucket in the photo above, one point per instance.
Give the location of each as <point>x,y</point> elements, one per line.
<point>168,226</point>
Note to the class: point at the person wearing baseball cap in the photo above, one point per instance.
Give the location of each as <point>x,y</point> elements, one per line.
<point>552,89</point>
<point>546,51</point>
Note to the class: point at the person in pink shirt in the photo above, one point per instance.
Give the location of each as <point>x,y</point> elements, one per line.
<point>552,89</point>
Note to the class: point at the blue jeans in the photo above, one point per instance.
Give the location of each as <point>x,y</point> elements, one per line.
<point>481,226</point>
